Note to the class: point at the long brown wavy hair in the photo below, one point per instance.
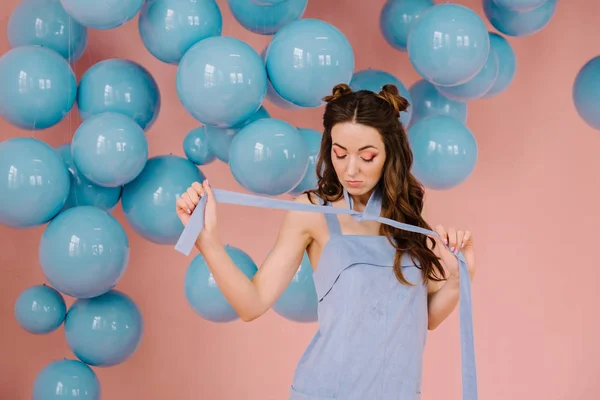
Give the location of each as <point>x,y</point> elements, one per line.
<point>402,194</point>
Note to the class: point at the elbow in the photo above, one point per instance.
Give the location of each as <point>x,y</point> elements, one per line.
<point>431,324</point>
<point>250,316</point>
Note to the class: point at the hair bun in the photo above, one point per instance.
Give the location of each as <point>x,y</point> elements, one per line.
<point>390,93</point>
<point>338,91</point>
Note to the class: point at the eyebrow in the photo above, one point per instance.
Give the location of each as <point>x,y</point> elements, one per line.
<point>361,149</point>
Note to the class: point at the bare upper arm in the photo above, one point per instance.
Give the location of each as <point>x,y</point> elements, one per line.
<point>283,261</point>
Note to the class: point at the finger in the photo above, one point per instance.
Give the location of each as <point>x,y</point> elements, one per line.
<point>182,206</point>
<point>439,229</point>
<point>193,194</point>
<point>466,239</point>
<point>459,241</point>
<point>197,186</point>
<point>189,203</point>
<point>208,190</point>
<point>452,239</point>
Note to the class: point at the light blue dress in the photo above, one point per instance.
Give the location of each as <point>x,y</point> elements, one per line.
<point>372,329</point>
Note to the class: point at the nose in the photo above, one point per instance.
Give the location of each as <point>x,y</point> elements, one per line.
<point>352,169</point>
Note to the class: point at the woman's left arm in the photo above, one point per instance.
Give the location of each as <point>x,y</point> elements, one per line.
<point>444,296</point>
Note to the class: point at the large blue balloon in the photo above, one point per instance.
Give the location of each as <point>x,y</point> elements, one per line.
<point>448,44</point>
<point>104,14</point>
<point>149,200</point>
<point>299,301</point>
<point>106,330</point>
<point>38,87</point>
<point>203,293</point>
<point>428,101</point>
<point>66,379</point>
<point>519,5</point>
<point>312,139</point>
<point>306,59</point>
<point>84,252</point>
<point>374,80</point>
<point>34,183</point>
<point>397,17</point>
<point>45,23</point>
<point>445,152</point>
<point>268,156</point>
<point>109,149</point>
<point>40,309</point>
<point>121,86</point>
<point>168,28</point>
<point>266,20</point>
<point>507,64</point>
<point>586,92</point>
<point>519,23</point>
<point>84,192</point>
<point>205,85</point>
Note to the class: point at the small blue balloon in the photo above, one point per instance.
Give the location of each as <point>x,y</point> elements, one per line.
<point>374,80</point>
<point>104,14</point>
<point>121,86</point>
<point>397,17</point>
<point>205,85</point>
<point>428,101</point>
<point>40,309</point>
<point>519,5</point>
<point>445,152</point>
<point>38,87</point>
<point>84,192</point>
<point>106,330</point>
<point>268,156</point>
<point>203,293</point>
<point>45,23</point>
<point>507,64</point>
<point>519,23</point>
<point>66,379</point>
<point>267,2</point>
<point>266,20</point>
<point>34,183</point>
<point>195,147</point>
<point>84,252</point>
<point>109,149</point>
<point>586,92</point>
<point>299,301</point>
<point>149,200</point>
<point>219,139</point>
<point>306,59</point>
<point>168,28</point>
<point>312,139</point>
<point>448,44</point>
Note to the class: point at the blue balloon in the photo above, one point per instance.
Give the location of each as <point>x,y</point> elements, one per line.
<point>195,147</point>
<point>445,152</point>
<point>299,301</point>
<point>84,252</point>
<point>519,5</point>
<point>66,379</point>
<point>106,330</point>
<point>476,87</point>
<point>448,44</point>
<point>45,23</point>
<point>374,80</point>
<point>268,156</point>
<point>149,200</point>
<point>519,23</point>
<point>267,2</point>
<point>306,59</point>
<point>507,64</point>
<point>34,183</point>
<point>428,101</point>
<point>121,86</point>
<point>84,192</point>
<point>312,139</point>
<point>202,292</point>
<point>266,20</point>
<point>168,28</point>
<point>40,309</point>
<point>205,85</point>
<point>38,87</point>
<point>586,92</point>
<point>219,139</point>
<point>397,18</point>
<point>109,149</point>
<point>104,14</point>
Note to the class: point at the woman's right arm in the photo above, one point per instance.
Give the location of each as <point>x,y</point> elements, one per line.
<point>251,298</point>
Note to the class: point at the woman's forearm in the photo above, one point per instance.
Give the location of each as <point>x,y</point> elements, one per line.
<point>442,302</point>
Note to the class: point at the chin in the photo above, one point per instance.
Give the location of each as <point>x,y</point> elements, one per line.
<point>358,191</point>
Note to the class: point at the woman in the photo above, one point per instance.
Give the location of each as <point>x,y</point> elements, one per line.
<point>379,287</point>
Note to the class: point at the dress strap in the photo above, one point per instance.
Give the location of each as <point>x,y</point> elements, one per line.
<point>333,224</point>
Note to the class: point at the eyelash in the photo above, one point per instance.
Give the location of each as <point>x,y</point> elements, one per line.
<point>342,157</point>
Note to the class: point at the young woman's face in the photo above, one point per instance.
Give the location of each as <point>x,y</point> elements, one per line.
<point>358,156</point>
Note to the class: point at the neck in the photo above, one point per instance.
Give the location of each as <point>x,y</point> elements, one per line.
<point>359,203</point>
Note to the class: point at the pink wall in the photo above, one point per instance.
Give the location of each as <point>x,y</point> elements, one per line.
<point>531,203</point>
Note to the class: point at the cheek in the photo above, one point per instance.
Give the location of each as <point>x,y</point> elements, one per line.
<point>374,169</point>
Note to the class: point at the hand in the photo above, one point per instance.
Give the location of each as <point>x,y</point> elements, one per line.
<point>187,202</point>
<point>458,241</point>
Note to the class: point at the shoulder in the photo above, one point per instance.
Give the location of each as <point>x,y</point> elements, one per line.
<point>308,198</point>
<point>304,220</point>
